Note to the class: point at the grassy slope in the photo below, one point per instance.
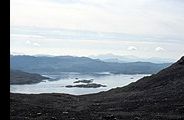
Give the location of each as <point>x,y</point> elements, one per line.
<point>20,77</point>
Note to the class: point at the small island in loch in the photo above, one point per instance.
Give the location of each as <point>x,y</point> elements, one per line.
<point>90,85</point>
<point>84,81</point>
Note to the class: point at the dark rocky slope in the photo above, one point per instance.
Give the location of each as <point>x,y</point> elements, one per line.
<point>158,97</point>
<point>20,77</point>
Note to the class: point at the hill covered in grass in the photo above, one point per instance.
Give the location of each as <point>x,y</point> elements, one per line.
<point>20,77</point>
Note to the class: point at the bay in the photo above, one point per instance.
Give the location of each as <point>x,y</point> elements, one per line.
<point>63,79</point>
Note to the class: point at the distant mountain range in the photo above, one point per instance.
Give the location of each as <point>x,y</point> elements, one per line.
<point>130,58</point>
<point>40,64</point>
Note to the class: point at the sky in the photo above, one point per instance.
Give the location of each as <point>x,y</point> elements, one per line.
<point>143,28</point>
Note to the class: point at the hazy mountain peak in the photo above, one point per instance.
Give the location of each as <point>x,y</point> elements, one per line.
<point>109,57</point>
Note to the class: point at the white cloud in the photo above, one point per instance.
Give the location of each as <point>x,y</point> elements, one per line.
<point>132,48</point>
<point>163,19</point>
<point>125,16</point>
<point>36,44</point>
<point>159,49</point>
<point>25,36</point>
<point>28,42</point>
<point>16,53</point>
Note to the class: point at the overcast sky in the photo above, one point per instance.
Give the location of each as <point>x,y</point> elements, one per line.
<point>144,28</point>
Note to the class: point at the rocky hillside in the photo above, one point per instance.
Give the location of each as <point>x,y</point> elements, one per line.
<point>157,97</point>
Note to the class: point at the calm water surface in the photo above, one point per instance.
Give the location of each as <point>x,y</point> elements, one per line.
<point>63,79</point>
